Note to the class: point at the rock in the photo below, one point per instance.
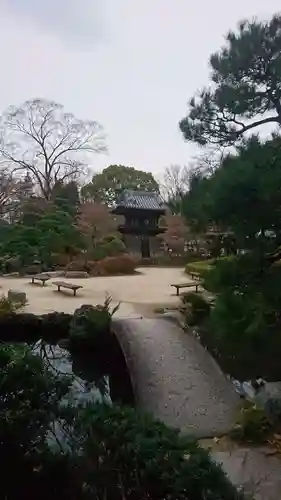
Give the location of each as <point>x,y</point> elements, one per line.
<point>32,269</point>
<point>16,296</point>
<point>56,274</point>
<point>273,390</point>
<point>11,275</point>
<point>63,343</point>
<point>76,274</point>
<point>270,398</point>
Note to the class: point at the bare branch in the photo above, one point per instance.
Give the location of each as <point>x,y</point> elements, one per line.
<point>176,180</point>
<point>40,138</point>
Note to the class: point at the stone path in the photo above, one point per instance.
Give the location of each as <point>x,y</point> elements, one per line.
<point>175,378</point>
<point>254,469</point>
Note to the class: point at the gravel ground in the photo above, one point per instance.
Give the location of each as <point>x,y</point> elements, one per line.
<point>149,286</point>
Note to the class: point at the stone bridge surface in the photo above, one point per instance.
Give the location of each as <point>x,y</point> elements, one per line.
<point>175,378</point>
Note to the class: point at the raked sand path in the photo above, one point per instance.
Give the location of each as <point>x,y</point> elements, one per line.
<point>150,286</point>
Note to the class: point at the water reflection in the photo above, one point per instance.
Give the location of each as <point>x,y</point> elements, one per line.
<point>89,383</point>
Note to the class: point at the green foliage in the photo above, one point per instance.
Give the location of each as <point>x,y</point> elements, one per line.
<point>29,404</point>
<point>244,329</point>
<point>137,457</point>
<point>195,203</point>
<point>103,452</point>
<point>109,246</point>
<point>196,308</point>
<point>66,196</point>
<point>245,194</point>
<point>27,390</point>
<point>57,234</point>
<point>90,327</point>
<point>243,198</point>
<point>10,306</point>
<point>252,424</point>
<point>54,326</point>
<point>201,267</point>
<point>97,451</point>
<point>108,185</point>
<point>88,324</point>
<point>246,79</point>
<point>30,328</point>
<point>53,232</point>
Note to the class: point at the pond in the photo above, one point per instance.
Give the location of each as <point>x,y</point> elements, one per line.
<point>91,381</point>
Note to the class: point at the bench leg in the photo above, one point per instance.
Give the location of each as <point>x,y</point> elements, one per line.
<point>178,291</point>
<point>58,288</point>
<point>74,293</point>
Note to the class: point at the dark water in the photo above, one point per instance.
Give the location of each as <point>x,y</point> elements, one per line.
<point>91,381</point>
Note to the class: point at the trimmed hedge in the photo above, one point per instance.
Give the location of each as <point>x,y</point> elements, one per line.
<point>203,266</point>
<point>27,327</point>
<point>199,267</point>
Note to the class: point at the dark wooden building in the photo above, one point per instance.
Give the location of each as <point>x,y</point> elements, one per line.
<point>141,211</point>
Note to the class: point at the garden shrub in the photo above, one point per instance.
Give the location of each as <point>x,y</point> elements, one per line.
<point>76,265</point>
<point>11,265</point>
<point>90,328</point>
<point>138,457</point>
<point>20,327</point>
<point>201,267</point>
<point>59,260</point>
<point>87,323</point>
<point>32,269</point>
<point>27,327</point>
<point>29,404</point>
<point>9,306</point>
<point>252,424</point>
<point>55,326</point>
<point>90,267</point>
<point>243,333</point>
<point>163,260</point>
<point>123,264</point>
<point>196,308</point>
<point>103,451</point>
<point>113,246</point>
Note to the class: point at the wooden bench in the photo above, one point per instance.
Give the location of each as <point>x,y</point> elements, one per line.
<point>69,286</point>
<point>40,277</point>
<point>195,284</point>
<point>194,275</point>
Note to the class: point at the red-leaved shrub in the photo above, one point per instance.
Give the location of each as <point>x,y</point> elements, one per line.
<point>121,264</point>
<point>76,265</point>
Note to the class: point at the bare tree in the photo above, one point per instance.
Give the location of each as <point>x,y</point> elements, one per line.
<point>49,144</point>
<point>208,161</point>
<point>11,192</point>
<point>176,179</point>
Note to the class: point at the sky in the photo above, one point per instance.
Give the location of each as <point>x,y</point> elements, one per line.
<point>131,65</point>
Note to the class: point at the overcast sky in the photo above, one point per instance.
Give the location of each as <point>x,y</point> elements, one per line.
<point>132,65</point>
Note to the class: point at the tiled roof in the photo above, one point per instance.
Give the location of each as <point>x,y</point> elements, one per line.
<point>141,199</point>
